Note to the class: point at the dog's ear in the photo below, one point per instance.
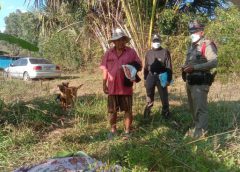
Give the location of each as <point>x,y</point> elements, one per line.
<point>65,84</point>
<point>61,88</point>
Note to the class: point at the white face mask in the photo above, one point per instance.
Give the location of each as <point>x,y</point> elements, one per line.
<point>156,45</point>
<point>195,37</point>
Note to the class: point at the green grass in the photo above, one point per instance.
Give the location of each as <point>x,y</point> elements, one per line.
<point>33,128</point>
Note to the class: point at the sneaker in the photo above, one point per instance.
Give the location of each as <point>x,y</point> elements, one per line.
<point>195,133</point>
<point>189,133</point>
<point>199,133</point>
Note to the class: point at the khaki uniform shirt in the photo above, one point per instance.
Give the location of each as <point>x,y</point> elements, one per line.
<point>202,62</point>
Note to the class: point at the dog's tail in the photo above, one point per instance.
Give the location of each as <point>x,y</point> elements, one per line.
<point>79,86</point>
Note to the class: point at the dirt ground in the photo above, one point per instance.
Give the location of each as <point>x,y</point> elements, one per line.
<point>226,89</point>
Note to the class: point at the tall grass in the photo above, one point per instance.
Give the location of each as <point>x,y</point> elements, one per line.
<point>35,129</point>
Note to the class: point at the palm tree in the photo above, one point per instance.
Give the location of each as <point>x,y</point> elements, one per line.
<point>137,17</point>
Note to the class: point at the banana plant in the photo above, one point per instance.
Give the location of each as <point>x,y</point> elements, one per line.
<point>20,42</point>
<point>3,52</point>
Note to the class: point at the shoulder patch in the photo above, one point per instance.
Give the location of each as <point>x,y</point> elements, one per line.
<point>205,44</point>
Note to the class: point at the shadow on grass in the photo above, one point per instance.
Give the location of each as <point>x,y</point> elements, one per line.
<point>41,120</point>
<point>68,77</point>
<point>160,145</point>
<point>86,138</point>
<point>45,112</point>
<point>39,111</point>
<point>156,145</point>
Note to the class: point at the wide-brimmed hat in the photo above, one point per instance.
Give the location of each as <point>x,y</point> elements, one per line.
<point>195,26</point>
<point>156,38</point>
<point>118,34</point>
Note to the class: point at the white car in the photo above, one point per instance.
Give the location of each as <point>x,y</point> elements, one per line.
<point>32,68</point>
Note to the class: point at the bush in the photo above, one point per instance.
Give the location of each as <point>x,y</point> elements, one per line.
<point>173,26</point>
<point>1,105</point>
<point>62,49</point>
<point>224,30</point>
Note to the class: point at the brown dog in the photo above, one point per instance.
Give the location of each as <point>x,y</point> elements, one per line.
<point>68,95</point>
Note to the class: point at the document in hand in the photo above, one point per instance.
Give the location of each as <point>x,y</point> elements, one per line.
<point>163,79</point>
<point>130,72</point>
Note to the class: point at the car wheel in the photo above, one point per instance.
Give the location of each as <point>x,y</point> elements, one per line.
<point>26,76</point>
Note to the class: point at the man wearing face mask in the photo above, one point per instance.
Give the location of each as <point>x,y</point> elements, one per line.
<point>201,59</point>
<point>157,62</point>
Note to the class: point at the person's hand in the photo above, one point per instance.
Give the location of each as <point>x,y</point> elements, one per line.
<point>167,83</point>
<point>188,69</point>
<point>182,68</point>
<point>105,87</point>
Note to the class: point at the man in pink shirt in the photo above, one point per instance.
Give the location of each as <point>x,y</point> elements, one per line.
<point>119,94</point>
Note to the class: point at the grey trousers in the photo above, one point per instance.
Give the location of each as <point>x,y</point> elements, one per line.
<point>197,98</point>
<point>151,82</point>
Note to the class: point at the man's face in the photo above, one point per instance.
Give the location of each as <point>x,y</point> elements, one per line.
<point>196,36</point>
<point>120,43</point>
<point>200,33</point>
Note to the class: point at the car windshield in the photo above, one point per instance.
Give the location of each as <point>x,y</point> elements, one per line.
<point>39,61</point>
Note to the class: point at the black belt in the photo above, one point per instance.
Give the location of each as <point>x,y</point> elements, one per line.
<point>199,78</point>
<point>155,73</point>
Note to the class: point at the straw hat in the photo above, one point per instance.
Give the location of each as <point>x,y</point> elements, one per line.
<point>118,34</point>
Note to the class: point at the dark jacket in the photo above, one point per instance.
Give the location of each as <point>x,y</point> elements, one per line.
<point>158,61</point>
<point>128,82</point>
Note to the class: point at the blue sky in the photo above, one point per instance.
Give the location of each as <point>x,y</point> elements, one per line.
<point>9,6</point>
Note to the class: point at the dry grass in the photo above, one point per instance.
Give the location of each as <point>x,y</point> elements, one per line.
<point>33,127</point>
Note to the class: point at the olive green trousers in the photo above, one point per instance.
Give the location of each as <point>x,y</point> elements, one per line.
<point>197,99</point>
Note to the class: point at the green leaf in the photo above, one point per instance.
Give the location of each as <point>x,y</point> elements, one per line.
<point>3,52</point>
<point>20,42</point>
<point>63,154</point>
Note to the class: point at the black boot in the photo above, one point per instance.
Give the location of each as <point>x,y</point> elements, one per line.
<point>166,114</point>
<point>147,112</point>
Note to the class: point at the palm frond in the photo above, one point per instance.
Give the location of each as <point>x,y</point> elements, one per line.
<point>20,42</point>
<point>3,52</point>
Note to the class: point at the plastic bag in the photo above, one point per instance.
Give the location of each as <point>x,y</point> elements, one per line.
<point>130,72</point>
<point>163,79</point>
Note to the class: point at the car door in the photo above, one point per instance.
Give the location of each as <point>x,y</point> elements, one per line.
<point>16,68</point>
<point>13,68</point>
<point>21,67</point>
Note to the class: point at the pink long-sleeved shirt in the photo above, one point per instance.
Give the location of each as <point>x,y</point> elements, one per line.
<point>112,64</point>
